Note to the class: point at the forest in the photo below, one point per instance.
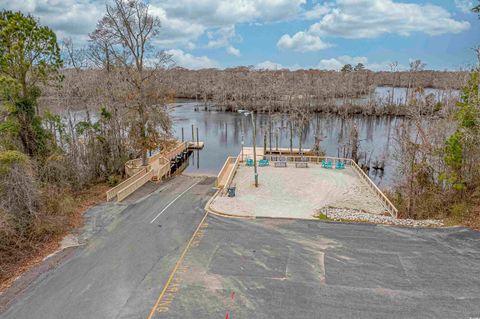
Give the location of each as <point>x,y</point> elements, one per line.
<point>280,91</point>
<point>53,165</point>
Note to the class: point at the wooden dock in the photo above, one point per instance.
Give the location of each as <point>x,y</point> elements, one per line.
<point>195,145</point>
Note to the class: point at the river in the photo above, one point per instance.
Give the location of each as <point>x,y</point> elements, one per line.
<point>222,134</point>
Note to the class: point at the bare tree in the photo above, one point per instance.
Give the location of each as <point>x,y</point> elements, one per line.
<point>394,69</point>
<point>126,32</point>
<point>75,58</point>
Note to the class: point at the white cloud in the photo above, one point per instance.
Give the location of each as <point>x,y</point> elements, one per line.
<point>190,61</point>
<point>372,18</point>
<point>219,13</point>
<point>221,37</point>
<point>302,42</point>
<point>233,51</point>
<point>339,62</point>
<point>68,18</point>
<point>317,11</point>
<point>217,18</point>
<point>176,32</point>
<point>465,5</point>
<point>184,22</point>
<point>269,65</point>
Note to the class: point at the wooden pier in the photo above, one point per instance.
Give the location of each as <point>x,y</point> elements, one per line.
<point>195,145</point>
<point>159,166</point>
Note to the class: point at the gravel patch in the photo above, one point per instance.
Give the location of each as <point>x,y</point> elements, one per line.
<point>339,214</point>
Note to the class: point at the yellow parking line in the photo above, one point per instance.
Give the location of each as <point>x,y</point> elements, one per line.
<point>176,268</point>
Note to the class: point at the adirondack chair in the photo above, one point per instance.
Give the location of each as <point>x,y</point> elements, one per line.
<point>263,162</point>
<point>326,164</point>
<point>340,165</point>
<point>250,162</point>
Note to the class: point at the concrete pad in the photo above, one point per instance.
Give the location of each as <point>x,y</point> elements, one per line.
<point>297,192</point>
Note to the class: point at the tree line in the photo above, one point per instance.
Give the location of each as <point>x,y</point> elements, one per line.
<point>342,92</point>
<point>322,91</point>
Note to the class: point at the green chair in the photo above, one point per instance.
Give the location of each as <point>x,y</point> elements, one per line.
<point>250,162</point>
<point>340,165</point>
<point>326,164</point>
<point>263,162</point>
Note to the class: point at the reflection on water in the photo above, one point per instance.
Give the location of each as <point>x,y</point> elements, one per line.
<point>383,93</point>
<point>222,134</point>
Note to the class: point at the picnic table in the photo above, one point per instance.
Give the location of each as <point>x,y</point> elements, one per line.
<point>280,164</point>
<point>301,164</point>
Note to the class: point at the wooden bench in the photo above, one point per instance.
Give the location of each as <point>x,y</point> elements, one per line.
<point>280,164</point>
<point>301,164</point>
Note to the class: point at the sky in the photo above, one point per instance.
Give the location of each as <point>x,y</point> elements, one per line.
<point>294,34</point>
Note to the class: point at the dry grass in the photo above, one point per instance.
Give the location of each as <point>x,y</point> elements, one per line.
<point>473,219</point>
<point>48,240</point>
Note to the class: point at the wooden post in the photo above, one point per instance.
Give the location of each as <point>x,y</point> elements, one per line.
<point>265,142</point>
<point>276,141</point>
<point>254,150</point>
<point>193,137</point>
<point>197,139</point>
<point>182,135</point>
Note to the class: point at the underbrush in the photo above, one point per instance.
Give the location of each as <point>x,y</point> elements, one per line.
<point>26,238</point>
<point>454,211</point>
<point>21,238</point>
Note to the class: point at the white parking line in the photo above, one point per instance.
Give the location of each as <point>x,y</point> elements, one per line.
<point>173,201</point>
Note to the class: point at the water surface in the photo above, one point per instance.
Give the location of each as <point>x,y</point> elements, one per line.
<point>222,134</point>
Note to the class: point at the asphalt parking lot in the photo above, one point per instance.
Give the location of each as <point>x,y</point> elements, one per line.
<point>163,257</point>
<point>267,268</point>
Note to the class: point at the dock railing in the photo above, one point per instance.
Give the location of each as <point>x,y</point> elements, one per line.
<point>225,176</point>
<point>133,166</point>
<point>113,192</point>
<point>133,186</point>
<point>177,150</point>
<point>231,174</point>
<point>387,204</point>
<point>158,167</point>
<point>164,168</point>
